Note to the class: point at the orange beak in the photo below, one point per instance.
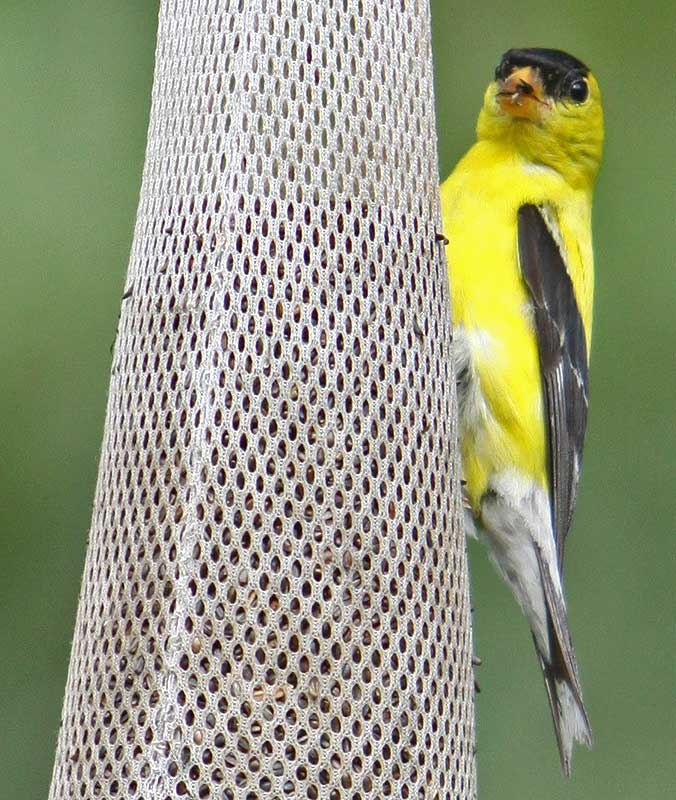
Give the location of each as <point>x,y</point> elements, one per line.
<point>522,94</point>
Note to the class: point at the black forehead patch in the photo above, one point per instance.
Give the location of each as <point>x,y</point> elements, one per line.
<point>554,66</point>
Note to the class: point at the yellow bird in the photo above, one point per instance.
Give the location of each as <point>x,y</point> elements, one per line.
<point>517,215</point>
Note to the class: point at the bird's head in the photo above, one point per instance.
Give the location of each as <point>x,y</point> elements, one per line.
<point>547,106</point>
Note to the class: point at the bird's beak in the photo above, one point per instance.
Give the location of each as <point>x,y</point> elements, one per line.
<point>523,95</point>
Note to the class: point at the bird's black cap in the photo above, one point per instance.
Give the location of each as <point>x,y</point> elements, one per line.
<point>558,69</point>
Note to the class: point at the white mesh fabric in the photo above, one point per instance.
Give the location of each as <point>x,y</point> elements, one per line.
<point>274,602</point>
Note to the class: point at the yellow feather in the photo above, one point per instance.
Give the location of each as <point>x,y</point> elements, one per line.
<point>515,162</point>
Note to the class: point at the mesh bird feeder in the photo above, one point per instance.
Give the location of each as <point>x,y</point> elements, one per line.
<point>275,598</point>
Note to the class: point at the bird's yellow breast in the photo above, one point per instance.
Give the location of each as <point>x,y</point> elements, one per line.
<point>503,425</point>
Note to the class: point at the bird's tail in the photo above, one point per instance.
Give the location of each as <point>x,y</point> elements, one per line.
<point>568,712</point>
<point>559,668</point>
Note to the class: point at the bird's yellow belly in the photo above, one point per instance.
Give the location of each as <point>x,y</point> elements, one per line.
<point>502,423</point>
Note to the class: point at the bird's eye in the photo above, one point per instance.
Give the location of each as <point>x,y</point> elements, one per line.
<point>579,90</point>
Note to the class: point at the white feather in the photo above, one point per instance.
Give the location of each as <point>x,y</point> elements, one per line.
<point>515,518</point>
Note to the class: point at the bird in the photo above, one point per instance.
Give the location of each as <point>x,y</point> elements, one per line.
<point>516,214</point>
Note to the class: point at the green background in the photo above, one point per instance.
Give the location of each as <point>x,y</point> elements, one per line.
<point>75,82</point>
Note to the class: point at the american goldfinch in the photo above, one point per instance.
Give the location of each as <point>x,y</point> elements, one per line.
<point>517,216</point>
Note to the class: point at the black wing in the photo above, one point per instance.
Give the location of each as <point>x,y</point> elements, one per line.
<point>563,362</point>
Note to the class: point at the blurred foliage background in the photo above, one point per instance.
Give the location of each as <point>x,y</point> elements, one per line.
<point>74,100</point>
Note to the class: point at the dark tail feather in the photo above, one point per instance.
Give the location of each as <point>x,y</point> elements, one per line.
<point>568,712</point>
<point>562,681</point>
